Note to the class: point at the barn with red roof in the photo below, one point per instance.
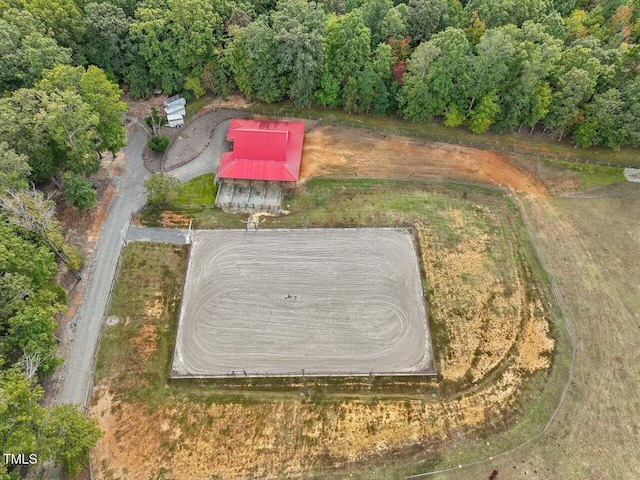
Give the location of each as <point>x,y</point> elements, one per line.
<point>265,159</point>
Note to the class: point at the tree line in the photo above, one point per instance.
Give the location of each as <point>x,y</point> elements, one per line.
<point>56,119</point>
<point>54,124</point>
<point>569,67</point>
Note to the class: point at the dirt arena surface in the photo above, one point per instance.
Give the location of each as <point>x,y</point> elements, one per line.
<point>326,301</point>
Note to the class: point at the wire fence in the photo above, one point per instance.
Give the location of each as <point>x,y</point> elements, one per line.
<point>304,373</point>
<point>425,135</point>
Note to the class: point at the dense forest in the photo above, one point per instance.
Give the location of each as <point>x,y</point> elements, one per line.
<point>567,67</point>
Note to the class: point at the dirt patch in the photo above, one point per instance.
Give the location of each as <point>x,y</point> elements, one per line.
<point>332,150</point>
<point>140,109</point>
<point>535,345</point>
<point>146,341</point>
<point>173,220</point>
<point>481,317</point>
<point>151,160</point>
<point>233,101</point>
<point>276,439</point>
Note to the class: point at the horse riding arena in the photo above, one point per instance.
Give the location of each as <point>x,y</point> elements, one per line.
<point>303,302</point>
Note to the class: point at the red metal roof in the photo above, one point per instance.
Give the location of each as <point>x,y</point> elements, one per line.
<point>263,150</point>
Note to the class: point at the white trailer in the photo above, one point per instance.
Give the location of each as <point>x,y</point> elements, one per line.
<point>175,120</point>
<point>175,109</point>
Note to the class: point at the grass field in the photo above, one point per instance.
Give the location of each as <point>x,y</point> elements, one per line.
<point>490,308</point>
<point>134,353</point>
<point>590,247</point>
<point>193,106</point>
<point>587,175</point>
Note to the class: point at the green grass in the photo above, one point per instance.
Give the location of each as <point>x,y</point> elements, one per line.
<point>193,106</point>
<point>147,296</point>
<point>347,203</point>
<point>538,144</point>
<point>589,175</point>
<point>198,191</point>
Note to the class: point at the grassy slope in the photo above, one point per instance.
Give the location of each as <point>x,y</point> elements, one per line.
<point>590,246</point>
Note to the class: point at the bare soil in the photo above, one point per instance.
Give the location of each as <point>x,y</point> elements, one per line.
<point>233,101</point>
<point>334,151</point>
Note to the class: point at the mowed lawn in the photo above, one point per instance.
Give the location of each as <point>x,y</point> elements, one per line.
<point>198,191</point>
<point>458,225</point>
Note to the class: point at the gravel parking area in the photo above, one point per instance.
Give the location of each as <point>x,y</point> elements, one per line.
<point>193,138</point>
<point>322,301</point>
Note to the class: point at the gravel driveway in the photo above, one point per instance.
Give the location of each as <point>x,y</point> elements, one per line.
<point>130,197</point>
<point>76,380</point>
<point>195,137</point>
<point>209,160</point>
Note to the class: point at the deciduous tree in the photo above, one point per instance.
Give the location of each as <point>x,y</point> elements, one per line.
<point>161,188</point>
<point>66,436</point>
<point>79,191</point>
<point>106,37</point>
<point>437,75</point>
<point>253,55</point>
<point>14,168</point>
<point>176,38</point>
<point>299,28</point>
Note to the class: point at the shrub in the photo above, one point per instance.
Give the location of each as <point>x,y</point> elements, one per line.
<point>161,188</point>
<point>159,143</point>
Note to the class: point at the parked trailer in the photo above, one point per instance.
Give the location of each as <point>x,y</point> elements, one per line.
<point>176,99</point>
<point>175,109</point>
<point>175,120</point>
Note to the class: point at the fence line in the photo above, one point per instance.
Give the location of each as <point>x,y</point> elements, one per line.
<point>302,373</point>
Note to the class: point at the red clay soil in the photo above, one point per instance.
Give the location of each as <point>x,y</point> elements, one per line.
<point>339,151</point>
